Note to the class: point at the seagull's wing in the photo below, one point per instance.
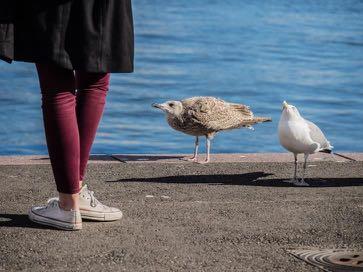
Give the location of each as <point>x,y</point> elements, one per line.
<point>215,114</point>
<point>318,136</point>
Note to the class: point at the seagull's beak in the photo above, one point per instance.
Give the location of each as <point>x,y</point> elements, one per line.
<point>158,106</point>
<point>155,105</point>
<point>284,105</point>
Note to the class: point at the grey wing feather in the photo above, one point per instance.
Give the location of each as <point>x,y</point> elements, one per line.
<point>318,136</point>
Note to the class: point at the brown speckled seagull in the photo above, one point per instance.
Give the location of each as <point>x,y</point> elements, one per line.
<point>205,116</point>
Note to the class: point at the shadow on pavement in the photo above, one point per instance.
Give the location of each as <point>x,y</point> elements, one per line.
<point>253,178</point>
<point>18,220</point>
<point>126,158</point>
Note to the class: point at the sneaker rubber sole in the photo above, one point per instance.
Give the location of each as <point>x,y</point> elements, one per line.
<point>100,216</point>
<point>53,222</point>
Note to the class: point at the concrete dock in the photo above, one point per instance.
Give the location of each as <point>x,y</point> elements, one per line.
<point>236,213</point>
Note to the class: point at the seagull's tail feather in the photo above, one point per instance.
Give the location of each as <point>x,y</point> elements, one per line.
<point>249,122</point>
<point>326,148</point>
<point>328,151</point>
<point>261,119</point>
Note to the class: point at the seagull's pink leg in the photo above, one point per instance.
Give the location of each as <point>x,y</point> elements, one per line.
<point>207,159</point>
<point>294,179</point>
<point>302,181</point>
<point>195,156</point>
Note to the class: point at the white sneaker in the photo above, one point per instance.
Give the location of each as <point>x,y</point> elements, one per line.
<point>53,215</point>
<point>92,209</point>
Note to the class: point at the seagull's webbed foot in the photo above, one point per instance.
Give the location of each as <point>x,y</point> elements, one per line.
<point>292,181</point>
<point>207,160</point>
<point>301,183</point>
<point>192,159</point>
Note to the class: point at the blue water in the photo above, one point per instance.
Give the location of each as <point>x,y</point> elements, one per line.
<point>259,53</point>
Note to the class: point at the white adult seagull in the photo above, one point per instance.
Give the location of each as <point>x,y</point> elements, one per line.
<point>300,136</point>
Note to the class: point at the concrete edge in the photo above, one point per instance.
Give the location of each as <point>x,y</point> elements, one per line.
<point>180,158</point>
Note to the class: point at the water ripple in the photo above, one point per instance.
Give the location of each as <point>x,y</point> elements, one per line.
<point>309,53</point>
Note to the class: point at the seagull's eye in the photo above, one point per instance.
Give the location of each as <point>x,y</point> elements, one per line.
<point>171,104</point>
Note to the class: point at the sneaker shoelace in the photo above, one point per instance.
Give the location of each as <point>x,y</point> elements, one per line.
<point>94,201</point>
<point>52,202</point>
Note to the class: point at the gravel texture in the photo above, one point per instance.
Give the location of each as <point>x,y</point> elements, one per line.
<point>186,217</point>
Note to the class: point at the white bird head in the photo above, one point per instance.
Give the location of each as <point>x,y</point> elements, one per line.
<point>170,107</point>
<point>289,111</point>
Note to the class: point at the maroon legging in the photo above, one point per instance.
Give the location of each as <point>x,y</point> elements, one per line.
<point>72,103</point>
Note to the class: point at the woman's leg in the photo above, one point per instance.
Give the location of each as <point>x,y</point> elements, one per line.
<point>91,98</point>
<point>61,130</point>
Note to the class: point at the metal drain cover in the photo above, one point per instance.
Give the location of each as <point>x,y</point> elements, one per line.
<point>332,260</point>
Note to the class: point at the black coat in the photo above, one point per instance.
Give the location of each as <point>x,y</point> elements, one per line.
<point>88,35</point>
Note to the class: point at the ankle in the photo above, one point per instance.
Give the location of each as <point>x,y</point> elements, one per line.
<point>69,202</point>
<point>68,207</point>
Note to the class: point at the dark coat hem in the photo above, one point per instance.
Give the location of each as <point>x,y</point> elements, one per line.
<point>123,70</point>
